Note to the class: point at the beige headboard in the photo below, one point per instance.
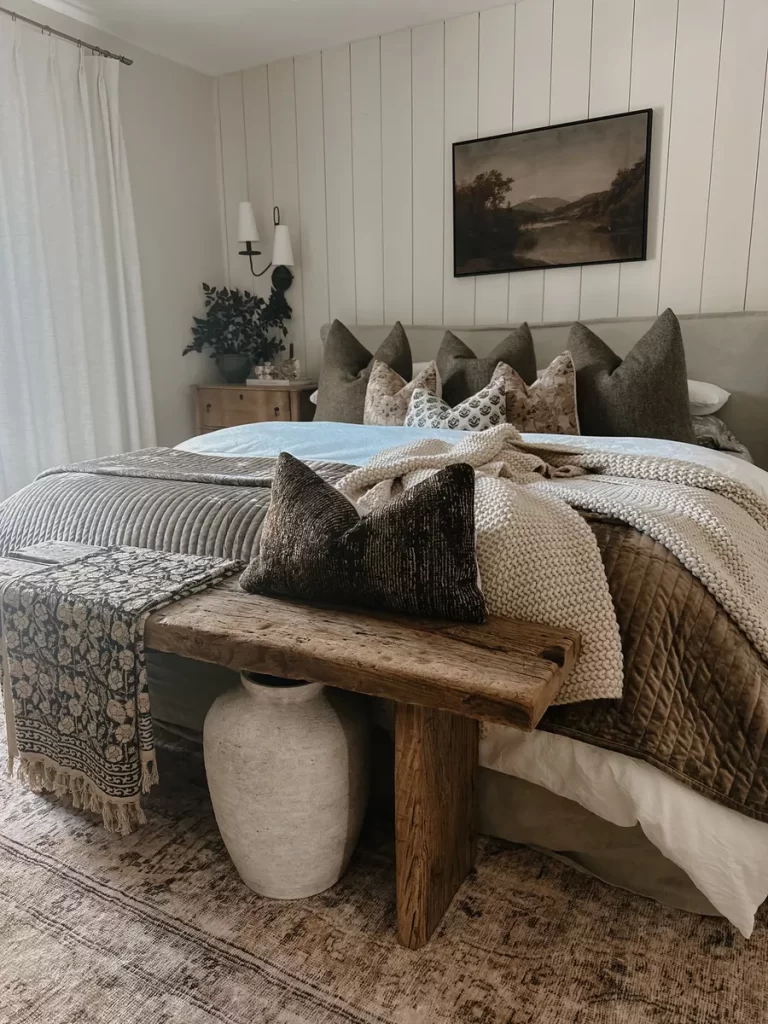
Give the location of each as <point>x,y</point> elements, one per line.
<point>727,349</point>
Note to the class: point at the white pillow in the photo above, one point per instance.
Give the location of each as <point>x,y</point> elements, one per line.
<point>705,399</point>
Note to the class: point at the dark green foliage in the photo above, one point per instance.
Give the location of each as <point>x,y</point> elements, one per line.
<point>239,323</point>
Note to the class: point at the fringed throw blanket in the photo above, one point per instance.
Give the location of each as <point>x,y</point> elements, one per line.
<point>74,675</point>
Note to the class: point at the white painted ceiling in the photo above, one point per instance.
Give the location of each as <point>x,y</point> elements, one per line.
<point>217,36</point>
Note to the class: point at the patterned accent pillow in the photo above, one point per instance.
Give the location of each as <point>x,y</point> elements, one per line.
<point>481,411</point>
<point>315,546</point>
<point>388,395</point>
<point>549,405</point>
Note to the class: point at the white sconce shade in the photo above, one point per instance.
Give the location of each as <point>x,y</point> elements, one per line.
<point>282,252</point>
<point>246,224</point>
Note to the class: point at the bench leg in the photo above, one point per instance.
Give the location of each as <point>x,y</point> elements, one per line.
<point>435,765</point>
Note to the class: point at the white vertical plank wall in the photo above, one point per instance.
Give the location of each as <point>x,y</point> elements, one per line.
<point>757,279</point>
<point>734,155</point>
<point>653,65</point>
<point>339,197</point>
<point>397,176</point>
<point>612,23</point>
<point>429,185</point>
<point>308,77</point>
<point>461,83</point>
<point>495,98</point>
<point>285,184</point>
<point>354,145</point>
<point>366,179</point>
<point>533,57</point>
<point>569,101</point>
<point>258,153</point>
<point>689,168</point>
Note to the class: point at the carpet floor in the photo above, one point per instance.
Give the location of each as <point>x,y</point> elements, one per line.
<point>157,929</point>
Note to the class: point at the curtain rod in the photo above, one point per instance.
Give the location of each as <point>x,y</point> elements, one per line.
<point>63,35</point>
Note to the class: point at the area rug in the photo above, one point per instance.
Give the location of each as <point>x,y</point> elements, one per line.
<point>156,927</point>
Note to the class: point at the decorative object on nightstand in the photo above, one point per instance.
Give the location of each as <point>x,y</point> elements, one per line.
<point>290,367</point>
<point>287,766</point>
<point>259,401</point>
<point>240,329</point>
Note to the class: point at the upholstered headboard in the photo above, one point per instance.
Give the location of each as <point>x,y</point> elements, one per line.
<point>727,349</point>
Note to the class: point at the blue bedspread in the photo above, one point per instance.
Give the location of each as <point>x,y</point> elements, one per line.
<point>332,442</point>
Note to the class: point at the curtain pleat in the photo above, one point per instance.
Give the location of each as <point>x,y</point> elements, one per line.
<point>74,366</point>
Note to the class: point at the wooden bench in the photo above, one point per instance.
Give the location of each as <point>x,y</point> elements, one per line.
<point>445,678</point>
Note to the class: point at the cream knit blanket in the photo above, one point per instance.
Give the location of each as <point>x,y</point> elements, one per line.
<point>538,558</point>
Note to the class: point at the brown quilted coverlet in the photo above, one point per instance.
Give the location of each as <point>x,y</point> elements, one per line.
<point>695,700</point>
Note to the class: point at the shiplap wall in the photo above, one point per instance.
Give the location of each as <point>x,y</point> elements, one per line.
<point>353,144</point>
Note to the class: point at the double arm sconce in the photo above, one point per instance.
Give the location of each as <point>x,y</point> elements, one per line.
<point>282,253</point>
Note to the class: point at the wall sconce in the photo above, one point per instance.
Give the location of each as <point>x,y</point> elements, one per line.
<point>282,252</point>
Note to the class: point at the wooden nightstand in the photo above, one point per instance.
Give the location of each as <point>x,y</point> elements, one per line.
<point>230,405</point>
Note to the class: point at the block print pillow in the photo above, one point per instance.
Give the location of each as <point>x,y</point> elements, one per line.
<point>481,411</point>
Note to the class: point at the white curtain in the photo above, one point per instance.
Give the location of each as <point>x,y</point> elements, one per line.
<point>74,370</point>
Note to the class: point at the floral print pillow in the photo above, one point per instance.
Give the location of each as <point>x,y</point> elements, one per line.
<point>388,395</point>
<point>548,406</point>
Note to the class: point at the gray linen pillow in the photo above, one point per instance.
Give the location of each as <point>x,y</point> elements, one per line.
<point>346,367</point>
<point>643,395</point>
<point>415,554</point>
<point>463,374</point>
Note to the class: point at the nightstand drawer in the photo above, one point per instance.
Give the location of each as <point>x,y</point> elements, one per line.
<point>232,405</point>
<point>225,407</point>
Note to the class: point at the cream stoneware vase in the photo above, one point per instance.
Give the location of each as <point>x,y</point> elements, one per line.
<point>287,767</point>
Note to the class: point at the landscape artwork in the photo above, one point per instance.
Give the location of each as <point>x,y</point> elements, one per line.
<point>559,196</point>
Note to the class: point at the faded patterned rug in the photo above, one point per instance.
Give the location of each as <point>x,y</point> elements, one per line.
<point>156,927</point>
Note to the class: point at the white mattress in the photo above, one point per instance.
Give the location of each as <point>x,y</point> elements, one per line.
<point>723,852</point>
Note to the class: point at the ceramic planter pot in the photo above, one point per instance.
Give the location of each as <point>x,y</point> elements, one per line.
<point>287,767</point>
<point>234,368</point>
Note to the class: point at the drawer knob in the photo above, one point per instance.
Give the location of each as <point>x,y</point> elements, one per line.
<point>277,411</point>
<point>208,407</point>
<point>241,396</point>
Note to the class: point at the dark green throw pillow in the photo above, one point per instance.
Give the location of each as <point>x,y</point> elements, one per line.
<point>643,395</point>
<point>347,366</point>
<point>463,374</point>
<point>415,555</point>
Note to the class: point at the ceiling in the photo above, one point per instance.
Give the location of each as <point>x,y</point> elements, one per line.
<point>217,36</point>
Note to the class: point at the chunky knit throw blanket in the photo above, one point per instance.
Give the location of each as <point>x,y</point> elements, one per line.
<point>74,675</point>
<point>538,558</point>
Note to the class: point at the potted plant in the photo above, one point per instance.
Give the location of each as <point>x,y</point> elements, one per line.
<point>240,329</point>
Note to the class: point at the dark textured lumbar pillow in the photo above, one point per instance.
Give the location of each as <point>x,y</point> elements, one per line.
<point>346,367</point>
<point>463,374</point>
<point>416,554</point>
<point>643,395</point>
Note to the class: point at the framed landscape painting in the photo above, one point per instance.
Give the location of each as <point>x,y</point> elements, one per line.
<point>560,196</point>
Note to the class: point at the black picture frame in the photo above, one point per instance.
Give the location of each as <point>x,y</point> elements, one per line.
<point>474,249</point>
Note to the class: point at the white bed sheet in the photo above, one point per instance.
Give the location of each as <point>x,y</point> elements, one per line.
<point>723,852</point>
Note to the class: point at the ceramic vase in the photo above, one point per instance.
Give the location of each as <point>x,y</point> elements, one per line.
<point>234,368</point>
<point>287,767</point>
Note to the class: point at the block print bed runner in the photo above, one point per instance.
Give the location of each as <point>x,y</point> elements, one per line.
<point>74,673</point>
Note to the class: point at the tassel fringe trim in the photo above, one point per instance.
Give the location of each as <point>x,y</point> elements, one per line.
<point>121,816</point>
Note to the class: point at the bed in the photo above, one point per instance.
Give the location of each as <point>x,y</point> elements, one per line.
<point>613,815</point>
<point>608,813</point>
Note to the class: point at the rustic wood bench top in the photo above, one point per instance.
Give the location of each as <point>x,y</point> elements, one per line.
<point>444,676</point>
<point>501,671</point>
